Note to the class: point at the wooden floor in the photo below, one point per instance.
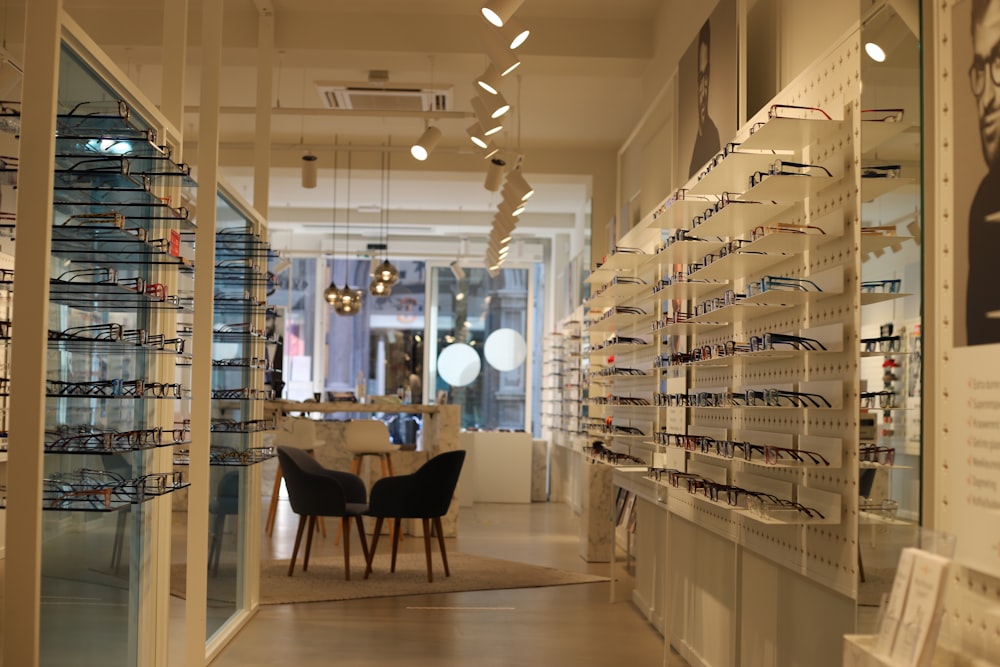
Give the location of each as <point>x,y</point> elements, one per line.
<point>575,626</point>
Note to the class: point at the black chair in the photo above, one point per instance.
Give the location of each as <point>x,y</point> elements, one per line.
<point>315,491</point>
<point>425,494</point>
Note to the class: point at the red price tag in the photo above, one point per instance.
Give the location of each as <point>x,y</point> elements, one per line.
<point>175,243</point>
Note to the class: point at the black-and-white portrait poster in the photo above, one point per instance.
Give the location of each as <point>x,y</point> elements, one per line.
<point>707,95</point>
<point>976,90</point>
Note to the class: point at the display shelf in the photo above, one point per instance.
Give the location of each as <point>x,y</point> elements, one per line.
<point>737,264</point>
<point>876,243</point>
<point>690,327</point>
<point>622,262</point>
<point>788,243</point>
<point>738,217</point>
<point>621,322</point>
<point>738,312</point>
<point>686,252</point>
<point>871,298</point>
<point>873,188</point>
<point>786,298</point>
<point>132,207</point>
<point>732,174</point>
<point>789,187</point>
<point>679,208</point>
<point>689,290</point>
<point>790,135</point>
<point>614,293</point>
<point>876,133</point>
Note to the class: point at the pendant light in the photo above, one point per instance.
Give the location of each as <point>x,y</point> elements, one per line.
<point>350,299</point>
<point>332,293</point>
<point>386,272</point>
<point>384,275</point>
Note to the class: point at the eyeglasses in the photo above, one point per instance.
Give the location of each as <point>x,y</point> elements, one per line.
<point>782,168</point>
<point>115,388</point>
<point>887,507</point>
<point>222,455</point>
<point>891,286</point>
<point>718,158</point>
<point>884,399</point>
<point>237,426</point>
<point>882,115</point>
<point>246,328</point>
<point>244,393</point>
<point>769,340</point>
<point>91,440</point>
<point>243,362</point>
<point>882,171</point>
<point>760,232</point>
<point>774,455</point>
<point>110,331</point>
<point>778,508</point>
<point>881,344</point>
<point>773,398</point>
<point>875,454</point>
<point>782,283</point>
<point>977,71</point>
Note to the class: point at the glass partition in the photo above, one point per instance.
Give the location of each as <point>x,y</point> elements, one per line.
<point>891,298</point>
<point>477,344</point>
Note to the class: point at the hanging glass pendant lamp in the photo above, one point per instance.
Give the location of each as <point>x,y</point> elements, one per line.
<point>350,299</point>
<point>332,293</point>
<point>385,275</point>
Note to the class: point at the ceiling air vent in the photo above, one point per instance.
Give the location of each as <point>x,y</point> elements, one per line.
<point>374,97</point>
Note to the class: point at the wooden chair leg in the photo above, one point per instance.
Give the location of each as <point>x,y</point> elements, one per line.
<point>388,464</point>
<point>295,549</point>
<point>371,550</point>
<point>427,548</point>
<point>384,460</point>
<point>361,534</point>
<point>309,542</point>
<point>444,554</point>
<point>272,510</point>
<point>345,526</point>
<point>395,542</point>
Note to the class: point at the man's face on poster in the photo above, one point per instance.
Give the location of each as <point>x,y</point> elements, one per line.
<point>986,50</point>
<point>703,72</point>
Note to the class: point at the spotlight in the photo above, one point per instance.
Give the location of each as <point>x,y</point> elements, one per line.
<point>519,186</point>
<point>457,270</point>
<point>511,208</point>
<point>490,150</point>
<point>489,80</point>
<point>475,132</point>
<point>514,33</point>
<point>499,12</point>
<point>496,105</point>
<point>494,175</point>
<point>490,124</point>
<point>875,52</point>
<point>426,143</point>
<point>309,170</point>
<point>504,60</point>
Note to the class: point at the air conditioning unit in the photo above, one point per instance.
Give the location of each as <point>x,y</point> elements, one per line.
<point>369,96</point>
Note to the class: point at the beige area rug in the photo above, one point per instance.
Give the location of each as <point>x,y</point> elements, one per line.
<point>324,581</point>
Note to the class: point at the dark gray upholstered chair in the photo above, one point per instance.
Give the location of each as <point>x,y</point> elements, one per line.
<point>425,494</point>
<point>315,491</point>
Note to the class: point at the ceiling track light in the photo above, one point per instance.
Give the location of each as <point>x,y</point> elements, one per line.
<point>504,60</point>
<point>496,105</point>
<point>426,143</point>
<point>519,185</point>
<point>489,80</point>
<point>514,33</point>
<point>490,125</point>
<point>494,174</point>
<point>309,170</point>
<point>509,208</point>
<point>476,136</point>
<point>499,12</point>
<point>490,150</point>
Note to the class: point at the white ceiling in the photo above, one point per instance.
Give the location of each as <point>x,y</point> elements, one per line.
<point>576,97</point>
